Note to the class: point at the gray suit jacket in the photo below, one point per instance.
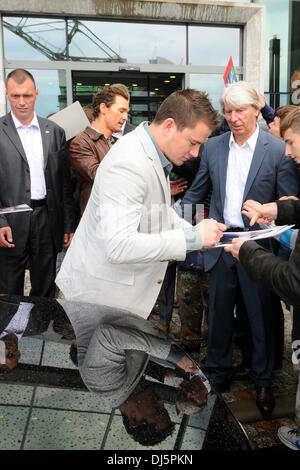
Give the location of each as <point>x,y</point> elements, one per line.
<point>271,176</point>
<point>114,347</point>
<point>15,183</point>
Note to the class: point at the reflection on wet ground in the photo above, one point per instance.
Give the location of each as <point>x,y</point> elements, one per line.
<point>52,417</point>
<point>45,405</point>
<point>240,398</point>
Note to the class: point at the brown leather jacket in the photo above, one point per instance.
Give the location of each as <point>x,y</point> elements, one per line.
<point>87,150</point>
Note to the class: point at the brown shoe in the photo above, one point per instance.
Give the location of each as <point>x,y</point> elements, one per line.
<point>163,328</point>
<point>265,401</point>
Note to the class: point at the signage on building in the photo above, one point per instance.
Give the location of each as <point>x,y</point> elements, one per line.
<point>229,75</point>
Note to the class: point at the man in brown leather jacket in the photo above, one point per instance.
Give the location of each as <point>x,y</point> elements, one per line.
<point>87,149</point>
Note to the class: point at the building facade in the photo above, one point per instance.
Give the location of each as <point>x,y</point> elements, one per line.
<point>74,47</point>
<point>282,21</point>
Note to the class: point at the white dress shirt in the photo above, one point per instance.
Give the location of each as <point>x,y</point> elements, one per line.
<point>121,132</point>
<point>239,161</point>
<point>33,147</point>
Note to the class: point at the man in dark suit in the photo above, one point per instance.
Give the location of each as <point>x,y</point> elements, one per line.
<point>246,163</point>
<point>280,275</point>
<point>34,170</point>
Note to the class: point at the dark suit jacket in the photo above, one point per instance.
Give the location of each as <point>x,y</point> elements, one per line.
<point>271,176</point>
<point>128,127</point>
<point>275,273</point>
<point>15,182</point>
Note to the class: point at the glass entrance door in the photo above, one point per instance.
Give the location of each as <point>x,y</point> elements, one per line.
<point>147,90</point>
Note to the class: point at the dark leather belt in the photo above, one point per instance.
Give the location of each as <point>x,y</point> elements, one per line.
<point>38,203</point>
<point>237,229</point>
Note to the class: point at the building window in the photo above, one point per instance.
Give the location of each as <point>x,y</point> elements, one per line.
<point>52,91</point>
<point>212,45</point>
<point>34,38</point>
<point>147,90</point>
<point>138,43</point>
<point>212,84</point>
<point>204,50</point>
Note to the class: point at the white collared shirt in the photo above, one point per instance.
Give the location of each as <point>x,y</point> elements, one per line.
<point>239,161</point>
<point>33,147</point>
<point>121,132</point>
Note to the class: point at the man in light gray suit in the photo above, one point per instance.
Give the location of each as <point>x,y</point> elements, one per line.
<point>246,163</point>
<point>129,232</point>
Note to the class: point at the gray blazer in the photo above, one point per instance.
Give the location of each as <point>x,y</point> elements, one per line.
<point>114,347</point>
<point>271,176</point>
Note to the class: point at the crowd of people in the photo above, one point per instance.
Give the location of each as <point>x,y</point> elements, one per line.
<point>142,230</point>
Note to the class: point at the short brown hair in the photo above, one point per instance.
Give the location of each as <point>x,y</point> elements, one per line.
<point>107,95</point>
<point>187,108</point>
<point>19,76</point>
<point>291,121</point>
<point>88,109</point>
<point>282,111</point>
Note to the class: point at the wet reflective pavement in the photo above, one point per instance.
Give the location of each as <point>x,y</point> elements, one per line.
<point>136,405</point>
<point>43,416</point>
<point>261,432</point>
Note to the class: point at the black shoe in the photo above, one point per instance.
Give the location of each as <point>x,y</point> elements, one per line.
<point>265,401</point>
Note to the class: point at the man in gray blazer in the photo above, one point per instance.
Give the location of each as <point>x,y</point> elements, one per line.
<point>246,163</point>
<point>129,231</point>
<point>34,170</point>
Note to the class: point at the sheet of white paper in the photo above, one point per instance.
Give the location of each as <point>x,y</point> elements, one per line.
<point>72,119</point>
<point>252,235</point>
<point>13,209</point>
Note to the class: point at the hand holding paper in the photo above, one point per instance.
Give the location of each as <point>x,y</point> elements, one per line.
<point>211,232</point>
<point>234,248</point>
<point>233,245</point>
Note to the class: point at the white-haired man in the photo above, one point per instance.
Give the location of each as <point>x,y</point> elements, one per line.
<point>246,163</point>
<point>282,276</point>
